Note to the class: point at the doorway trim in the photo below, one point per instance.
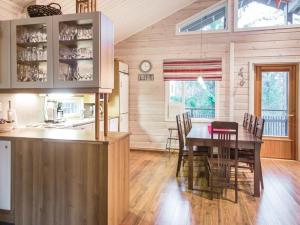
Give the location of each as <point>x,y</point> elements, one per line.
<point>251,80</point>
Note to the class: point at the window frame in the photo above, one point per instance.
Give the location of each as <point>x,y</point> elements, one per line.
<point>237,29</point>
<point>204,12</point>
<point>197,120</point>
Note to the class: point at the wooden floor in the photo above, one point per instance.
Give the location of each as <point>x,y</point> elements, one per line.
<point>158,197</point>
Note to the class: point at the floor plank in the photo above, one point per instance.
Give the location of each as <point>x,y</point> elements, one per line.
<point>157,197</point>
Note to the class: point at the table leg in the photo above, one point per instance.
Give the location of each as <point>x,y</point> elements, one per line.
<point>257,170</point>
<point>191,166</point>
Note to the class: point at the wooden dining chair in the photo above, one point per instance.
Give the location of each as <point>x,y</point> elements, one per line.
<point>184,149</point>
<point>186,124</point>
<point>252,123</point>
<point>223,134</point>
<point>259,131</point>
<point>245,121</point>
<point>246,156</point>
<point>189,120</point>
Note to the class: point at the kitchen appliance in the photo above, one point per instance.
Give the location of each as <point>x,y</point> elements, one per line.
<point>124,96</point>
<point>53,111</point>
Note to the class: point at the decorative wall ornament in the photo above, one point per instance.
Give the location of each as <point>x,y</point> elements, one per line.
<point>84,6</point>
<point>145,67</point>
<point>146,77</point>
<point>242,77</point>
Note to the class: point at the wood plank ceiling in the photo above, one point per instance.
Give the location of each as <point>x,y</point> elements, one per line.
<point>129,16</point>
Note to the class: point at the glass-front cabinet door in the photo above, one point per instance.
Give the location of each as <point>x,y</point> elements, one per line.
<point>31,53</point>
<point>76,50</point>
<point>5,54</point>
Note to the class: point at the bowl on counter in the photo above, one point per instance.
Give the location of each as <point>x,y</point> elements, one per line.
<point>6,127</point>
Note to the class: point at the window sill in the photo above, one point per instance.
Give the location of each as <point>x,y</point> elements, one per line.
<point>236,29</point>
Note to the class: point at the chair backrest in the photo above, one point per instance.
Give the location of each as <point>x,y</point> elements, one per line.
<point>185,123</point>
<point>245,121</point>
<point>189,120</point>
<point>225,134</point>
<point>259,127</point>
<point>248,120</point>
<point>252,122</point>
<point>254,125</point>
<point>180,134</point>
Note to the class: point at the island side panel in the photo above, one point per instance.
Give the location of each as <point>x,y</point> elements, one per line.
<point>34,177</point>
<point>118,181</point>
<point>59,183</point>
<point>81,184</point>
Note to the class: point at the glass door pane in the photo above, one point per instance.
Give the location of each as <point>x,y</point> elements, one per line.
<point>32,47</point>
<point>275,103</point>
<point>76,50</point>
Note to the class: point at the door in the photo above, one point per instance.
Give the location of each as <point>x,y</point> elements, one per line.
<point>5,175</point>
<point>275,101</point>
<point>31,53</point>
<point>124,92</point>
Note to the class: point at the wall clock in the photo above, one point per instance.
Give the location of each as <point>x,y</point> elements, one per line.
<point>145,66</point>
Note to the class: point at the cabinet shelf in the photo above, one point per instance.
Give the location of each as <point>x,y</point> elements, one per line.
<point>71,61</point>
<point>30,44</point>
<point>73,43</point>
<point>31,62</point>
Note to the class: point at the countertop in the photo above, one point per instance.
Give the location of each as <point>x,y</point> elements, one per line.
<point>61,135</point>
<point>63,125</point>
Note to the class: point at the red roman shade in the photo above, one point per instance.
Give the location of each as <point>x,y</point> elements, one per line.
<point>191,69</point>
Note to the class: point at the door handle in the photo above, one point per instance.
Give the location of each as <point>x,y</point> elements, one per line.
<point>291,115</point>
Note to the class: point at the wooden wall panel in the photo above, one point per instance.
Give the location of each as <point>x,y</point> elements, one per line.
<point>118,185</point>
<point>10,10</point>
<point>60,183</point>
<point>159,41</point>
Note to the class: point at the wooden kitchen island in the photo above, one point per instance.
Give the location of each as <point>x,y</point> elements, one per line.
<point>67,177</point>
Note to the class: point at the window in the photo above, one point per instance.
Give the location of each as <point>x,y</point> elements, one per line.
<point>197,98</point>
<point>212,19</point>
<point>267,13</point>
<point>72,106</point>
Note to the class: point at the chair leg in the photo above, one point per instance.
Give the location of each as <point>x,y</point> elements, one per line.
<point>211,187</point>
<point>261,175</point>
<point>178,164</point>
<point>236,183</point>
<point>206,171</point>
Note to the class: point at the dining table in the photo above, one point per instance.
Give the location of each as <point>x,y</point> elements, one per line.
<point>200,135</point>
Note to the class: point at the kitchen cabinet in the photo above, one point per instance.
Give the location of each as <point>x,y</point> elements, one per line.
<point>31,53</point>
<point>5,175</point>
<point>113,125</point>
<point>118,100</point>
<point>5,54</point>
<point>66,51</point>
<point>83,51</point>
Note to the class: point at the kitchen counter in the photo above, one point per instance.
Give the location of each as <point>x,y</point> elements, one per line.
<point>63,125</point>
<point>61,135</point>
<point>66,175</point>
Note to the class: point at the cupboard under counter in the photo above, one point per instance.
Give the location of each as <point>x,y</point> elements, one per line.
<point>69,177</point>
